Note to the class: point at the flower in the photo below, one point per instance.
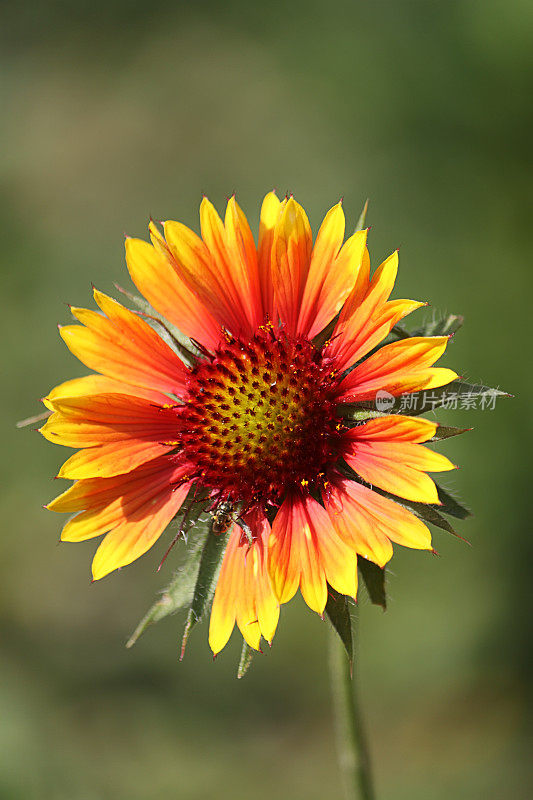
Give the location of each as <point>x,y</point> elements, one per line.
<point>249,411</point>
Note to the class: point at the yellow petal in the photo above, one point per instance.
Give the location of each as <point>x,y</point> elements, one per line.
<point>100,384</point>
<point>326,286</point>
<point>124,347</point>
<point>132,539</point>
<point>291,257</point>
<point>400,367</point>
<point>156,277</point>
<point>270,212</point>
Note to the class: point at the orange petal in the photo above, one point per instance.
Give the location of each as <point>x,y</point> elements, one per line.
<point>230,579</point>
<point>243,593</point>
<point>350,252</point>
<point>133,537</point>
<point>399,367</point>
<point>398,467</point>
<point>257,604</point>
<point>266,603</point>
<point>326,287</point>
<point>291,257</point>
<point>99,492</point>
<point>270,213</point>
<point>379,327</point>
<point>346,276</point>
<point>100,384</point>
<point>398,428</point>
<point>368,318</point>
<point>110,459</point>
<point>357,528</point>
<point>131,501</point>
<point>123,346</point>
<point>305,550</point>
<point>233,253</point>
<point>242,257</point>
<point>355,327</point>
<point>339,561</point>
<point>119,432</point>
<point>284,561</point>
<point>109,503</point>
<point>365,520</point>
<point>154,273</point>
<point>196,267</point>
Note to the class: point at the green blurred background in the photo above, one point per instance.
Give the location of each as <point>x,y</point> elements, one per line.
<point>114,111</point>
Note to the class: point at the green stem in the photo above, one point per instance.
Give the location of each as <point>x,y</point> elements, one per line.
<point>352,747</point>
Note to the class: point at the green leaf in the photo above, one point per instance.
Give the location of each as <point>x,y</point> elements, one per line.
<point>374,580</point>
<point>338,612</point>
<point>179,594</point>
<point>247,654</point>
<point>206,581</point>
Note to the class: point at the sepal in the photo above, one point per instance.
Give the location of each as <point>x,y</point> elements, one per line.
<point>439,325</point>
<point>451,505</point>
<point>208,570</point>
<point>338,612</point>
<point>179,593</point>
<point>247,654</point>
<point>193,586</point>
<point>374,580</point>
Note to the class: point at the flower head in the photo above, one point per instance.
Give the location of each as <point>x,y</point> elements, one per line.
<point>249,410</point>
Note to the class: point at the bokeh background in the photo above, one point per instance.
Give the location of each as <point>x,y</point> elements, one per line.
<point>114,111</point>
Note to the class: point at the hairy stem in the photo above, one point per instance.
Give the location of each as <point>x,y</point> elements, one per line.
<point>352,746</point>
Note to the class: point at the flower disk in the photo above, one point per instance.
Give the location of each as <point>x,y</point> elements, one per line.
<point>260,418</point>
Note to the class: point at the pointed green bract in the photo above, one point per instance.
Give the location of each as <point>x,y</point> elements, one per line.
<point>444,325</point>
<point>429,513</point>
<point>245,661</point>
<point>206,581</point>
<point>446,431</point>
<point>362,217</point>
<point>450,505</point>
<point>179,594</point>
<point>374,580</point>
<point>338,612</point>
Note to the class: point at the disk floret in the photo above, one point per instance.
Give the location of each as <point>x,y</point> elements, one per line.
<point>259,417</point>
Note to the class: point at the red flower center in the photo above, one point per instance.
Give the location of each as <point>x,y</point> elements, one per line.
<point>260,418</point>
